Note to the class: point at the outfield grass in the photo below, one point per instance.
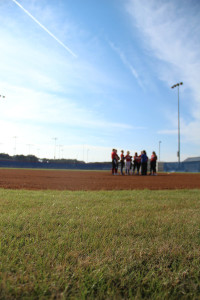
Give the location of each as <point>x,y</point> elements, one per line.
<point>100,245</point>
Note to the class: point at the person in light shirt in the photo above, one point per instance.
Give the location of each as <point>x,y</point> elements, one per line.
<point>128,162</point>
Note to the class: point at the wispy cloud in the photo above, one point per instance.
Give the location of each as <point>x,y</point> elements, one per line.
<point>47,92</point>
<point>25,104</point>
<point>170,32</point>
<point>127,64</point>
<point>45,29</point>
<point>167,131</point>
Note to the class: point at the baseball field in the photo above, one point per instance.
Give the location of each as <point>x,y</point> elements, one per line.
<point>90,235</point>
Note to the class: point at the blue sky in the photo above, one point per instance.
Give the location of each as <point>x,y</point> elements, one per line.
<point>97,75</point>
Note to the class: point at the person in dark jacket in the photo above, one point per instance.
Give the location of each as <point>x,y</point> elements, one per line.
<point>144,160</point>
<point>122,161</point>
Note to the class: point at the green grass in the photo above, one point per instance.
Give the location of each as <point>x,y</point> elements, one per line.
<point>100,245</point>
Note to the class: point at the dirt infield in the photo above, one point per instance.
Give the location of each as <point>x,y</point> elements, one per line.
<point>92,180</point>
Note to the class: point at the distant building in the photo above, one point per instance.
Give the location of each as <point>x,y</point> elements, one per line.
<point>192,159</point>
<point>191,164</point>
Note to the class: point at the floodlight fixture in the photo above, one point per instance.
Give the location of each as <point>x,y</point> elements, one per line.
<point>178,153</point>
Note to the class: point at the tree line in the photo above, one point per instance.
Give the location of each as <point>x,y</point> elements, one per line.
<point>33,158</point>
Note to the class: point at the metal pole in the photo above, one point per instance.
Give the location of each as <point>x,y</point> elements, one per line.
<point>15,144</point>
<point>87,154</point>
<point>55,147</point>
<point>178,153</point>
<point>159,149</point>
<point>29,148</point>
<point>178,128</point>
<point>60,150</point>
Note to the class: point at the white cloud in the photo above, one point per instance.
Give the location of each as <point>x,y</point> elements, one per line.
<point>42,87</point>
<point>127,64</point>
<point>168,131</point>
<point>170,32</point>
<point>23,104</point>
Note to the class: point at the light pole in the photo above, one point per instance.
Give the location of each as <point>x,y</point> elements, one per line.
<point>15,144</point>
<point>87,154</point>
<point>60,150</point>
<point>178,153</point>
<point>159,149</point>
<point>55,147</point>
<point>29,148</point>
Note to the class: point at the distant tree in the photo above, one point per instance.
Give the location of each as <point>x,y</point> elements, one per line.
<point>5,156</point>
<point>31,158</point>
<point>63,161</point>
<point>20,157</point>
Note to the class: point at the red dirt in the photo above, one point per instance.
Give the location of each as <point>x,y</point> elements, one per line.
<point>93,180</point>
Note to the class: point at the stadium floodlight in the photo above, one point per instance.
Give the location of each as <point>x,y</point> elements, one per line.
<point>29,148</point>
<point>15,144</point>
<point>87,154</point>
<point>60,151</point>
<point>55,138</point>
<point>178,153</point>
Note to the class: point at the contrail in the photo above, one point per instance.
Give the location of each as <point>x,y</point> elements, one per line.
<point>45,29</point>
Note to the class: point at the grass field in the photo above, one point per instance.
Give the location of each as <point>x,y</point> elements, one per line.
<point>100,245</point>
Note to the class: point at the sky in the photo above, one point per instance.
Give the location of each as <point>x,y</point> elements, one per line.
<point>83,77</point>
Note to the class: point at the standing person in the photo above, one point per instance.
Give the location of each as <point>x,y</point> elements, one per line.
<point>113,157</point>
<point>122,161</point>
<point>131,166</point>
<point>144,160</point>
<point>134,162</point>
<point>117,160</point>
<point>128,162</point>
<point>153,163</point>
<point>138,162</point>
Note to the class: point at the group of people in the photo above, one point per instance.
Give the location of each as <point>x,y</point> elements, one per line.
<point>136,163</point>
